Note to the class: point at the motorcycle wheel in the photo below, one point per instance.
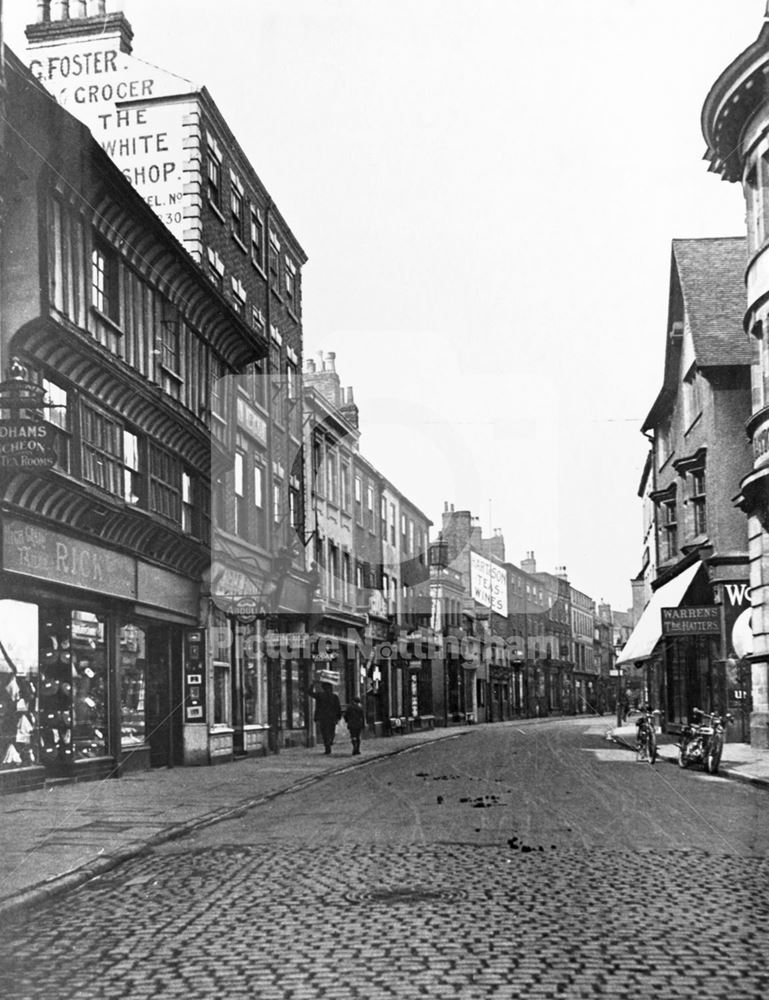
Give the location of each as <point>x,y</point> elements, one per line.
<point>682,760</point>
<point>713,758</point>
<point>652,747</point>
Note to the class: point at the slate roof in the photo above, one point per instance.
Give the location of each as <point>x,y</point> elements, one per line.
<point>710,274</point>
<point>712,277</point>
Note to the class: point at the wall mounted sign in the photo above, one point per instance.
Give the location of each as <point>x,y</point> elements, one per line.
<point>26,445</point>
<point>50,555</point>
<point>691,621</point>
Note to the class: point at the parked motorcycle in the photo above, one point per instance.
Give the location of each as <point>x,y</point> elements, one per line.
<point>703,742</point>
<point>646,730</point>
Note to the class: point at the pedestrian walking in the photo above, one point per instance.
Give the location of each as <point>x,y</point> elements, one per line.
<point>328,711</point>
<point>626,704</point>
<point>353,716</point>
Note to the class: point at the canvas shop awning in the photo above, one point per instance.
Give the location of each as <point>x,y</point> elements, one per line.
<point>648,631</point>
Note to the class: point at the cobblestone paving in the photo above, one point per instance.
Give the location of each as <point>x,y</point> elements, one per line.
<point>370,922</point>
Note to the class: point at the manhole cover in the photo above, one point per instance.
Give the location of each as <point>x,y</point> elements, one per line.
<point>403,894</point>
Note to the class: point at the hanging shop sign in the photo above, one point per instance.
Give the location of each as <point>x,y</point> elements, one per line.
<point>691,621</point>
<point>26,445</point>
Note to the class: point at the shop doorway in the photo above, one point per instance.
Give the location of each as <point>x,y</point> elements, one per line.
<point>164,695</point>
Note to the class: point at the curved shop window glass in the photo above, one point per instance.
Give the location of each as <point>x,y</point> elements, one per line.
<point>73,687</point>
<point>133,685</point>
<point>19,745</point>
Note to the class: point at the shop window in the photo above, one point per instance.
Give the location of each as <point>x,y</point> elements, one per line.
<point>222,709</point>
<point>294,696</point>
<point>105,280</point>
<point>73,688</point>
<point>133,686</point>
<point>19,685</point>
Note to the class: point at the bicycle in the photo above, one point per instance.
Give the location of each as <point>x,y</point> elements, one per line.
<point>646,746</point>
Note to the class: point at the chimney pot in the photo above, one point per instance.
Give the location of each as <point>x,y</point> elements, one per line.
<point>43,11</point>
<point>331,361</point>
<point>61,10</point>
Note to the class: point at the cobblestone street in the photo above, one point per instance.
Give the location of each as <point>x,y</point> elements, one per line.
<point>431,875</point>
<point>442,921</point>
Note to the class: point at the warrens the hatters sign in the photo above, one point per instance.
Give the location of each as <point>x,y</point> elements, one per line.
<point>691,621</point>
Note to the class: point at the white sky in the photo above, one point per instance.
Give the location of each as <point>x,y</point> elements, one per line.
<point>487,191</point>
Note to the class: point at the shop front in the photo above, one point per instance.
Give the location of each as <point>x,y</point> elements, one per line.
<point>92,646</point>
<point>680,653</point>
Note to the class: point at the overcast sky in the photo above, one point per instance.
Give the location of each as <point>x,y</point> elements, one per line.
<point>487,191</point>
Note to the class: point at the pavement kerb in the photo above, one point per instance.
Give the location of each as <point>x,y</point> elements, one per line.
<point>96,867</point>
<point>99,866</point>
<point>724,771</point>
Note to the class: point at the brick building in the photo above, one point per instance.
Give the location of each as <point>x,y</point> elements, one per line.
<point>173,143</point>
<point>370,551</point>
<point>102,615</point>
<point>699,455</point>
<point>734,120</point>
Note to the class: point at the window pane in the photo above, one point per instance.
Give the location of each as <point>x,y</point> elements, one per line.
<point>133,685</point>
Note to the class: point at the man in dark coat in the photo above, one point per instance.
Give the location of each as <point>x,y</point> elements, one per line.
<point>353,716</point>
<point>328,711</point>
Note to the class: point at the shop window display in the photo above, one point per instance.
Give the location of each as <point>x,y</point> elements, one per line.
<point>18,685</point>
<point>133,685</point>
<point>72,665</point>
